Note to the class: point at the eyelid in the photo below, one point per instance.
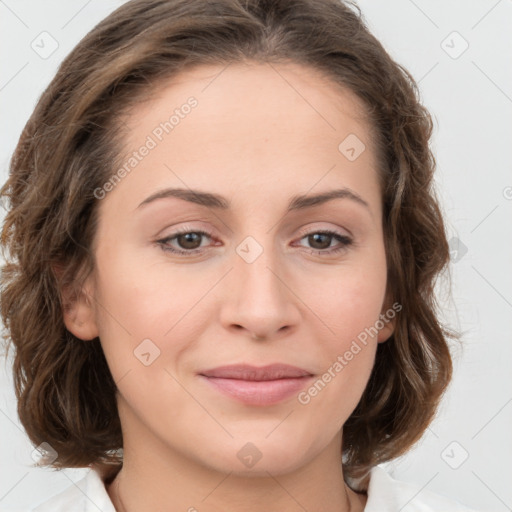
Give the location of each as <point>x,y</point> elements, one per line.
<point>171,231</point>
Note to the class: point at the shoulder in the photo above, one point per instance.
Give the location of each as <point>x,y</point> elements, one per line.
<point>86,495</point>
<point>385,494</point>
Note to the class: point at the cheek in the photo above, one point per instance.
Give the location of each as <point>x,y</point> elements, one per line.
<point>347,348</point>
<point>143,291</point>
<point>144,330</point>
<point>348,301</point>
<point>348,309</point>
<point>136,303</point>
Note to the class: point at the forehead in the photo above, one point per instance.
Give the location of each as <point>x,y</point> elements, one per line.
<point>240,92</point>
<point>252,126</point>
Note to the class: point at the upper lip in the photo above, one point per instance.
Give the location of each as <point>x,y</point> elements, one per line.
<point>248,372</point>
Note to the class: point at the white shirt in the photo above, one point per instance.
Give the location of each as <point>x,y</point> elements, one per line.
<point>385,494</point>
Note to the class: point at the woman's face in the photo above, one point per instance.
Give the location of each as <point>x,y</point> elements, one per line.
<point>266,275</point>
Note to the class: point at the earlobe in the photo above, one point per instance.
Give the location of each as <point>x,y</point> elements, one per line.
<point>386,331</point>
<point>387,319</point>
<point>78,311</point>
<point>79,318</point>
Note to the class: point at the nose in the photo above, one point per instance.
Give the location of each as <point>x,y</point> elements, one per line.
<point>260,301</point>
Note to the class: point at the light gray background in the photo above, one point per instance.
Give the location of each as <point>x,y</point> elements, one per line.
<point>469,94</point>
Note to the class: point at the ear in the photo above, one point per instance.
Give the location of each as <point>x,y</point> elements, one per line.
<point>78,309</point>
<point>386,332</point>
<point>388,318</point>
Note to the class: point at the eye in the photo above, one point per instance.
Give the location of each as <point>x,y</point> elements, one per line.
<point>321,241</point>
<point>188,241</point>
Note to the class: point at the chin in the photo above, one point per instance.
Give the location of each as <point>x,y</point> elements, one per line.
<point>259,457</point>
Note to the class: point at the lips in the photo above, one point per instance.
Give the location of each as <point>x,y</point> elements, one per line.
<point>257,386</point>
<point>254,373</point>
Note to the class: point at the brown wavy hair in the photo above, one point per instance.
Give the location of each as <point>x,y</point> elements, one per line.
<point>69,147</point>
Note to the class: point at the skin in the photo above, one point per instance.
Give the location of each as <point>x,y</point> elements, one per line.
<point>259,135</point>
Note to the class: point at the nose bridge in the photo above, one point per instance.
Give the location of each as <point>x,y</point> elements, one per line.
<point>255,267</point>
<point>258,299</point>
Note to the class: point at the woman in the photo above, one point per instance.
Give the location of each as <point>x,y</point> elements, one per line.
<point>224,238</point>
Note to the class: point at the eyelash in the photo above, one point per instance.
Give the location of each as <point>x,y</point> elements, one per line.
<point>344,240</point>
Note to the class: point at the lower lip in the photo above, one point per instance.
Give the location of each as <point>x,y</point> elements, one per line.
<point>265,392</point>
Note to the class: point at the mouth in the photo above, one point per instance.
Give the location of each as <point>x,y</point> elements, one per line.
<point>253,385</point>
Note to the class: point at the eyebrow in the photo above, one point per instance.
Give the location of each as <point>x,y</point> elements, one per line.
<point>298,202</point>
